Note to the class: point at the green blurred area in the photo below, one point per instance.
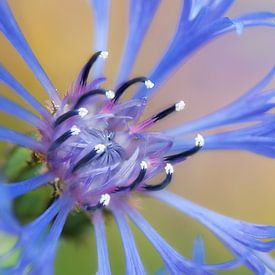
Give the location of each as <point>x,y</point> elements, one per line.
<point>233,183</point>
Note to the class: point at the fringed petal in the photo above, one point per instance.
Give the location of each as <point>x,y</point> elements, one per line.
<point>20,139</point>
<point>242,238</point>
<point>141,13</point>
<point>186,41</point>
<point>253,108</point>
<point>13,190</point>
<point>101,243</point>
<point>174,262</point>
<point>101,10</point>
<point>15,110</point>
<point>10,28</point>
<point>10,81</point>
<point>133,262</point>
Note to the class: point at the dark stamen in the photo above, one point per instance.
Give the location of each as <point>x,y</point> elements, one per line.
<point>88,66</point>
<point>103,202</point>
<point>148,83</point>
<point>72,132</point>
<point>169,173</point>
<point>199,144</point>
<point>65,116</point>
<point>98,150</point>
<point>176,107</point>
<point>90,94</point>
<point>137,181</point>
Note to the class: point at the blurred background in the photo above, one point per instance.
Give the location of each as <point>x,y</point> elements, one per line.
<point>237,184</point>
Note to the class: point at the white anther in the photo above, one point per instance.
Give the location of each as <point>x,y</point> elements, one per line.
<point>110,94</point>
<point>169,169</point>
<point>75,130</point>
<point>82,112</point>
<point>100,148</point>
<point>104,54</point>
<point>199,140</point>
<point>143,165</point>
<point>105,199</point>
<point>179,106</point>
<point>149,84</point>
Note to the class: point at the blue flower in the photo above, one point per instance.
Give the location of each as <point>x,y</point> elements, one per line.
<point>98,155</point>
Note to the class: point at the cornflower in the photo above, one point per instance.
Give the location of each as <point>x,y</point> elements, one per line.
<point>98,154</point>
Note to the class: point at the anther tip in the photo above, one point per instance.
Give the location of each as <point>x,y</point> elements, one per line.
<point>75,130</point>
<point>143,165</point>
<point>169,169</point>
<point>180,106</point>
<point>100,148</point>
<point>149,84</point>
<point>104,54</point>
<point>82,112</point>
<point>199,140</point>
<point>105,199</point>
<point>110,94</point>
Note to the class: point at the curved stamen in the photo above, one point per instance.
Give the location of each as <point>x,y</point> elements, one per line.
<point>137,181</point>
<point>179,106</point>
<point>147,82</point>
<point>89,64</point>
<point>174,108</point>
<point>74,131</point>
<point>108,93</point>
<point>81,112</point>
<point>169,170</point>
<point>99,149</point>
<point>199,143</point>
<point>103,202</point>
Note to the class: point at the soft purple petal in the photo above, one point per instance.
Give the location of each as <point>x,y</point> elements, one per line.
<point>10,28</point>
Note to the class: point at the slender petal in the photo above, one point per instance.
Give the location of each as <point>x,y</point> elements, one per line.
<point>10,81</point>
<point>133,262</point>
<point>15,110</point>
<point>174,262</point>
<point>186,42</point>
<point>101,9</point>
<point>10,28</point>
<point>20,139</point>
<point>141,13</point>
<point>242,238</point>
<point>102,248</point>
<point>14,190</point>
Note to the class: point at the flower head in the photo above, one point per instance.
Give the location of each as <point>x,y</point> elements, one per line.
<point>97,152</point>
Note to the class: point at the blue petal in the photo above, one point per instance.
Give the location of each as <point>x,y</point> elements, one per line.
<point>10,81</point>
<point>15,110</point>
<point>14,190</point>
<point>238,236</point>
<point>198,251</point>
<point>186,42</point>
<point>141,13</point>
<point>20,139</point>
<point>256,101</point>
<point>101,9</point>
<point>101,243</point>
<point>174,262</point>
<point>133,262</point>
<point>10,28</point>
